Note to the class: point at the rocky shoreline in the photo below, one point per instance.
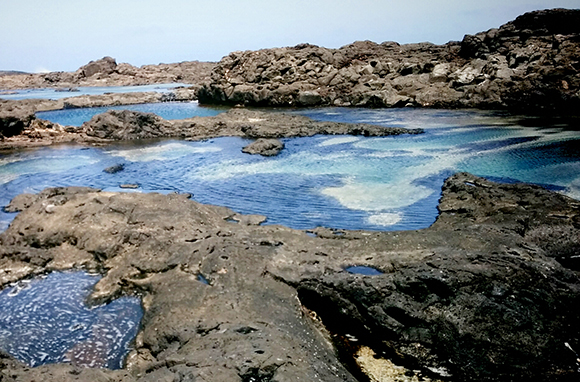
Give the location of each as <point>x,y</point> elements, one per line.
<point>529,64</point>
<point>131,125</point>
<point>488,293</point>
<point>106,72</point>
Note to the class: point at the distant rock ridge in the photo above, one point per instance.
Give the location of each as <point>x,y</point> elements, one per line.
<point>529,64</point>
<point>106,72</point>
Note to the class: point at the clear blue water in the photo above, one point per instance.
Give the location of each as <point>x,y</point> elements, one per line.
<point>167,110</point>
<point>388,183</point>
<point>46,320</point>
<point>50,93</point>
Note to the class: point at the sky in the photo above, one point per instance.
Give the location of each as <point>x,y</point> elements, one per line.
<point>62,35</point>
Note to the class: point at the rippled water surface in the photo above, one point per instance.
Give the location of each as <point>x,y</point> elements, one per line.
<point>349,182</point>
<point>49,93</point>
<point>46,321</point>
<point>167,110</point>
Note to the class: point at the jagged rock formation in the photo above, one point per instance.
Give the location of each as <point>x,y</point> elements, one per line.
<point>264,147</point>
<point>530,64</point>
<point>106,72</point>
<point>488,293</point>
<point>113,125</point>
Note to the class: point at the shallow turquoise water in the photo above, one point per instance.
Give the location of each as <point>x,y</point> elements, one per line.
<point>388,183</point>
<point>348,182</point>
<point>48,93</point>
<point>167,110</point>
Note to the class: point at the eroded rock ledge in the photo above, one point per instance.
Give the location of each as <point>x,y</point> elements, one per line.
<point>528,64</point>
<point>112,125</point>
<point>489,292</point>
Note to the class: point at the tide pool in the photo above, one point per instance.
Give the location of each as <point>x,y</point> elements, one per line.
<point>46,320</point>
<point>386,183</point>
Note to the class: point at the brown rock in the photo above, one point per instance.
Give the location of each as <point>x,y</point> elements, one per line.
<point>264,147</point>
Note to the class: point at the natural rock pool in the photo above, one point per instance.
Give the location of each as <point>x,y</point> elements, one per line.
<point>388,183</point>
<point>345,182</point>
<point>46,320</point>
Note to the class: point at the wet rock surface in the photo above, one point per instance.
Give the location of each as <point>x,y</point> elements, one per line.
<point>116,125</point>
<point>264,147</point>
<point>106,72</point>
<point>488,293</point>
<point>529,64</point>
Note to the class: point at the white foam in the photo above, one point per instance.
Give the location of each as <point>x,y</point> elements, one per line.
<point>162,152</point>
<point>377,196</point>
<point>385,219</point>
<point>573,190</point>
<point>7,178</point>
<point>303,163</point>
<point>339,141</point>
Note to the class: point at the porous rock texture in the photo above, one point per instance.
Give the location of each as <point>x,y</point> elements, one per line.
<point>529,64</point>
<point>115,125</point>
<point>488,293</point>
<point>106,72</point>
<point>265,147</point>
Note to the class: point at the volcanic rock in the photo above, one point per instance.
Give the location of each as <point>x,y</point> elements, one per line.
<point>106,72</point>
<point>114,169</point>
<point>105,66</point>
<point>264,147</point>
<point>482,295</point>
<point>530,64</point>
<point>130,125</point>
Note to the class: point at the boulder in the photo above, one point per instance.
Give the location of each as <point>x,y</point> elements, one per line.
<point>105,66</point>
<point>264,147</point>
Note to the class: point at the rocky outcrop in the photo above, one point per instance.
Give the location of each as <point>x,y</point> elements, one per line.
<point>106,72</point>
<point>105,66</point>
<point>528,64</point>
<point>14,121</point>
<point>264,147</point>
<point>488,293</point>
<point>110,99</point>
<point>116,125</point>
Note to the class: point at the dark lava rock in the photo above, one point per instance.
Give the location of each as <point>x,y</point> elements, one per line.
<point>529,64</point>
<point>14,122</point>
<point>129,185</point>
<point>483,294</point>
<point>127,125</point>
<point>116,125</point>
<point>106,65</point>
<point>264,147</point>
<point>114,169</point>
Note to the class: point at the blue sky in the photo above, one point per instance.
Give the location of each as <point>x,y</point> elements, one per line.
<point>38,35</point>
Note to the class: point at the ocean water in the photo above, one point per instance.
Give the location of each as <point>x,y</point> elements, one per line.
<point>46,320</point>
<point>347,182</point>
<point>385,183</point>
<point>167,110</point>
<point>51,93</point>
